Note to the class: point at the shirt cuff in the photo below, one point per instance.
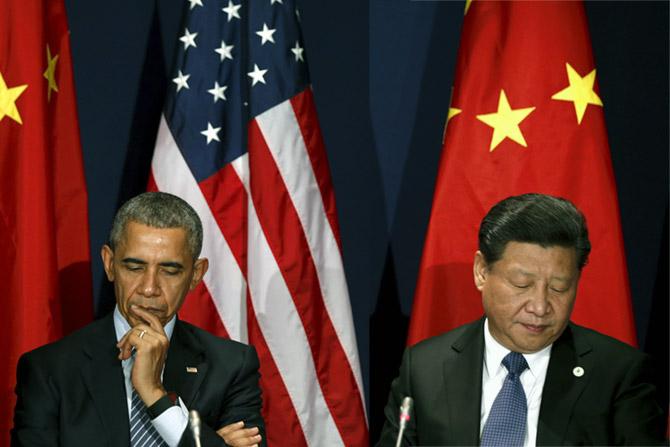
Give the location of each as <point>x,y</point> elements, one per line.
<point>171,423</point>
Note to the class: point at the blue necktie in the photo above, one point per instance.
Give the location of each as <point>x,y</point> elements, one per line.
<point>142,433</point>
<point>506,424</point>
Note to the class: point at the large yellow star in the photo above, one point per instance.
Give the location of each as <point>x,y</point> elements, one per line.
<point>8,98</point>
<point>505,122</point>
<point>50,73</point>
<point>580,91</point>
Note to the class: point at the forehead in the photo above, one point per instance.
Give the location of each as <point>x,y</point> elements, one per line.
<point>138,236</point>
<point>535,255</point>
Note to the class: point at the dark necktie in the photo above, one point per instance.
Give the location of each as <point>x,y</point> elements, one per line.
<point>506,424</point>
<point>142,433</point>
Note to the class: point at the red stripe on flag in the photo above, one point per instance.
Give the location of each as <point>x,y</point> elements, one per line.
<point>227,199</point>
<point>151,183</point>
<point>282,426</point>
<point>305,112</point>
<point>199,309</point>
<point>283,231</point>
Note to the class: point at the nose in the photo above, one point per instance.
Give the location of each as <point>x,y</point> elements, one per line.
<point>149,285</point>
<point>538,302</point>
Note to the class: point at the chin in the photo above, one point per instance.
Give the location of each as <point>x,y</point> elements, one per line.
<point>531,346</point>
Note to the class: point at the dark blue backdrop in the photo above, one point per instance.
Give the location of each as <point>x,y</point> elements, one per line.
<point>382,72</point>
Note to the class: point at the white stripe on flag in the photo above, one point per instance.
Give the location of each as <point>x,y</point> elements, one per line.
<point>224,279</point>
<point>282,329</point>
<point>282,134</point>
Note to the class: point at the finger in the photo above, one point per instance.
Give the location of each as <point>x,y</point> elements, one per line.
<point>125,347</point>
<point>147,316</point>
<point>132,340</point>
<point>247,433</point>
<point>137,330</point>
<point>230,428</point>
<point>244,442</point>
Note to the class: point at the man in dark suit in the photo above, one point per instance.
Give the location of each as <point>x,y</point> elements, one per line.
<point>132,377</point>
<point>523,374</point>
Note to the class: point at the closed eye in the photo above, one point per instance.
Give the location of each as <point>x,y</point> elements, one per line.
<point>134,267</point>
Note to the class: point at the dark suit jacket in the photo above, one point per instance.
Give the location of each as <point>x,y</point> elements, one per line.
<point>613,402</point>
<point>71,392</point>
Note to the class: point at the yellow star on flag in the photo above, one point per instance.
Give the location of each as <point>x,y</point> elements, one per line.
<point>505,122</point>
<point>50,73</point>
<point>453,111</point>
<point>8,98</point>
<point>467,6</point>
<point>580,92</point>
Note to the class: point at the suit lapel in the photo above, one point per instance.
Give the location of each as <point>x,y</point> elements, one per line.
<point>562,387</point>
<point>186,366</point>
<point>103,377</point>
<point>463,384</point>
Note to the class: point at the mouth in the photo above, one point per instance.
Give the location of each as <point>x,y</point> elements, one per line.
<point>156,311</point>
<point>534,329</point>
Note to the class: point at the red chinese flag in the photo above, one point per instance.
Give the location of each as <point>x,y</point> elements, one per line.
<point>44,261</point>
<point>526,116</point>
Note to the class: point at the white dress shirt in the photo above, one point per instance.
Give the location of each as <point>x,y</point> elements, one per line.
<point>532,380</point>
<point>172,422</point>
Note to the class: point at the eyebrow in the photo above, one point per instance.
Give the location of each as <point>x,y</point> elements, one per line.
<point>133,261</point>
<point>170,264</point>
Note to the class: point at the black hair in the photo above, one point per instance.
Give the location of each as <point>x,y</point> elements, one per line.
<point>537,219</point>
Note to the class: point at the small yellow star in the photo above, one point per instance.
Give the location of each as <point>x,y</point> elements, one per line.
<point>453,111</point>
<point>467,6</point>
<point>580,91</point>
<point>505,122</point>
<point>8,98</point>
<point>50,73</point>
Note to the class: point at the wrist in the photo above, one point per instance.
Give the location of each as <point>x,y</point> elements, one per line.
<point>151,397</point>
<point>164,403</point>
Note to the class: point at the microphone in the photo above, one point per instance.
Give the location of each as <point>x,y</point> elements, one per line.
<point>405,408</point>
<point>194,423</point>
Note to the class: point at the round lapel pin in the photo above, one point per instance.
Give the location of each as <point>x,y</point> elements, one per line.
<point>578,371</point>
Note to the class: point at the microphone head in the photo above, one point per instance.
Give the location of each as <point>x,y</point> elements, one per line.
<point>405,408</point>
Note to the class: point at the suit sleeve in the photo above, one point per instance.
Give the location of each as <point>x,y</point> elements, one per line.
<point>637,417</point>
<point>400,388</point>
<point>36,412</point>
<point>242,402</point>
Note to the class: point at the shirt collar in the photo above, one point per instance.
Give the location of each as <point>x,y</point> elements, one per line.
<point>121,326</point>
<point>495,353</point>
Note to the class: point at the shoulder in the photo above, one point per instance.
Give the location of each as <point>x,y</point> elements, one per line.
<point>602,345</point>
<point>442,346</point>
<point>66,349</point>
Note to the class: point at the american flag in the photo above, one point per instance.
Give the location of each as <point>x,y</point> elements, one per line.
<point>240,141</point>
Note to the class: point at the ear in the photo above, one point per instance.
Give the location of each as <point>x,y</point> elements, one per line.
<point>480,270</point>
<point>107,255</point>
<point>199,269</point>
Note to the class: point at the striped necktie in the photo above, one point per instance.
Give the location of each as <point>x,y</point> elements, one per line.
<point>142,432</point>
<point>506,424</point>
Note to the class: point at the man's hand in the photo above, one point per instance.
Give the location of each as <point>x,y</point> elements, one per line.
<point>151,345</point>
<point>235,435</point>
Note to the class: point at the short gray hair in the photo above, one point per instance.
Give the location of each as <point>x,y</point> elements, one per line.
<point>159,210</point>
